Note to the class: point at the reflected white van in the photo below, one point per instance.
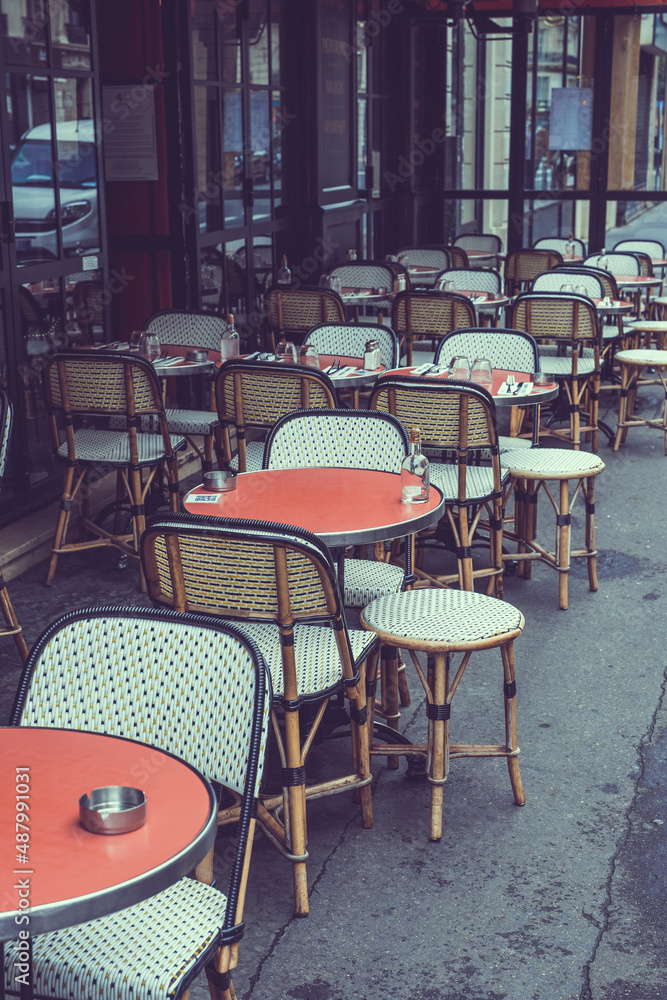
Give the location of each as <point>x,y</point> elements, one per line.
<point>33,191</point>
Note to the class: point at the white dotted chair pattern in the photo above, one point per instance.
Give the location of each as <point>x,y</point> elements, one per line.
<point>349,340</point>
<point>181,328</point>
<point>562,244</point>
<point>280,583</point>
<point>615,262</point>
<point>441,622</point>
<point>470,279</point>
<point>654,248</point>
<point>530,473</point>
<point>100,669</point>
<point>426,257</point>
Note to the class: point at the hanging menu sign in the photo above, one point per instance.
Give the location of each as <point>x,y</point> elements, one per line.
<point>570,118</point>
<point>130,144</point>
<point>336,62</point>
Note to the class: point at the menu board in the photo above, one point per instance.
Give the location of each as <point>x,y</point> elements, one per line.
<point>336,62</point>
<point>130,144</point>
<point>570,119</point>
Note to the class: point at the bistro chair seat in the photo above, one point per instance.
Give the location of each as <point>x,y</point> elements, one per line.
<point>155,948</point>
<point>439,623</point>
<point>82,387</point>
<point>531,471</point>
<point>189,329</point>
<point>251,396</point>
<point>11,626</point>
<point>279,582</point>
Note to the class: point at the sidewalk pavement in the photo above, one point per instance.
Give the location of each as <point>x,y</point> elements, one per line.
<point>563,898</point>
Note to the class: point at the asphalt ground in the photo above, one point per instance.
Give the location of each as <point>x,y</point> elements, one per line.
<point>563,898</point>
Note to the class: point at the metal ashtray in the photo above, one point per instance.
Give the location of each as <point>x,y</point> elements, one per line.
<point>113,809</point>
<point>219,482</point>
<point>196,356</point>
<point>542,378</point>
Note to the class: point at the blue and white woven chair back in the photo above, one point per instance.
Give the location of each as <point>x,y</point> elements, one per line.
<point>480,241</point>
<point>344,439</point>
<point>349,340</point>
<point>616,263</point>
<point>553,281</point>
<point>470,279</point>
<point>511,350</point>
<point>426,256</point>
<point>653,248</point>
<point>364,275</point>
<point>187,684</point>
<point>184,328</point>
<point>562,244</point>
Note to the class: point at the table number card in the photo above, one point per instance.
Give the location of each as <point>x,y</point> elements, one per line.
<point>203,498</point>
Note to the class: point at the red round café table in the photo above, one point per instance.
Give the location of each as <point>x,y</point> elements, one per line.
<point>71,875</point>
<point>342,506</point>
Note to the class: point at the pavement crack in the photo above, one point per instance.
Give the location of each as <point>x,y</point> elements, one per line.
<point>603,924</point>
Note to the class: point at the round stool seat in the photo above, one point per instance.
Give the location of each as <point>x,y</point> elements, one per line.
<point>442,620</point>
<point>657,359</point>
<point>555,463</point>
<point>648,325</point>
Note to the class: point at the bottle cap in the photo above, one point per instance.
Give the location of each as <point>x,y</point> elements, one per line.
<point>415,435</point>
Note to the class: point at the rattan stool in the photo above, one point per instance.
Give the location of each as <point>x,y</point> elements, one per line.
<point>632,364</point>
<point>441,622</point>
<point>530,472</point>
<point>645,333</point>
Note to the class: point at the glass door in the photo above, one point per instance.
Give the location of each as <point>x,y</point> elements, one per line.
<point>52,277</point>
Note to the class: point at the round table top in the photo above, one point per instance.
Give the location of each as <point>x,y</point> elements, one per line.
<point>637,280</point>
<point>361,296</point>
<point>657,359</point>
<point>342,506</point>
<point>538,394</point>
<point>616,307</point>
<point>73,875</point>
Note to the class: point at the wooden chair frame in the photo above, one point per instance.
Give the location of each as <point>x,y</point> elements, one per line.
<point>430,315</point>
<point>522,266</point>
<point>271,575</point>
<point>11,626</point>
<point>297,310</point>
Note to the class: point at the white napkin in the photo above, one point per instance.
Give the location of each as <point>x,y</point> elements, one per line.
<point>165,362</point>
<point>342,372</point>
<point>422,369</point>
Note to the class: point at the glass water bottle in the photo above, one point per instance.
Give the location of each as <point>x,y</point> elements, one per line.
<point>414,472</point>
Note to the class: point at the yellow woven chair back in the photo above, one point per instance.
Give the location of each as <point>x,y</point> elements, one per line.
<point>258,394</point>
<point>431,314</point>
<point>103,383</point>
<point>553,317</point>
<point>299,309</point>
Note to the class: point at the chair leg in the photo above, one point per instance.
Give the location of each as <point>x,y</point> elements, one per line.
<point>13,629</point>
<point>295,818</point>
<point>509,692</point>
<point>403,689</point>
<point>563,529</point>
<point>389,690</point>
<point>438,744</point>
<point>589,498</point>
<point>63,522</point>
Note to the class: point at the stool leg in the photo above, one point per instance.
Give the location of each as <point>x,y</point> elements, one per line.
<point>295,820</point>
<point>403,689</point>
<point>389,674</point>
<point>590,532</point>
<point>563,543</point>
<point>438,739</point>
<point>507,652</point>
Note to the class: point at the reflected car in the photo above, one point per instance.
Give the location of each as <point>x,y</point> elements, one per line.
<point>33,191</point>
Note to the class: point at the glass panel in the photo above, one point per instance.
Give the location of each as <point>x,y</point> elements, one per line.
<point>70,34</point>
<point>466,111</point>
<point>25,35</point>
<point>204,43</point>
<point>233,152</point>
<point>230,43</point>
<point>85,301</point>
<point>468,216</point>
<point>550,217</point>
<point>362,132</point>
<point>275,42</point>
<point>77,166</point>
<point>492,96</point>
<point>279,122</point>
<point>631,220</point>
<point>258,43</point>
<point>32,167</point>
<point>259,152</point>
<point>207,159</point>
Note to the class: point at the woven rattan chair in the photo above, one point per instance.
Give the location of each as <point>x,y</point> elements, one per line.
<point>486,243</point>
<point>99,670</point>
<point>294,311</point>
<point>473,279</point>
<point>351,439</point>
<point>367,274</point>
<point>429,316</point>
<point>654,248</point>
<point>563,245</point>
<point>457,256</point>
<point>615,262</point>
<point>510,350</point>
<point>426,256</point>
<point>187,329</point>
<point>566,325</point>
<point>531,470</point>
<point>281,583</point>
<point>457,418</point>
<point>251,396</point>
<point>523,266</point>
<point>440,623</point>
<point>349,340</point>
<point>11,626</point>
<point>84,386</point>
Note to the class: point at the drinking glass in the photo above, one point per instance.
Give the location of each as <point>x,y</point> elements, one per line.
<point>149,345</point>
<point>286,352</point>
<point>325,281</point>
<point>335,283</point>
<point>567,287</point>
<point>460,367</point>
<point>482,372</point>
<point>581,290</point>
<point>448,286</point>
<point>309,356</point>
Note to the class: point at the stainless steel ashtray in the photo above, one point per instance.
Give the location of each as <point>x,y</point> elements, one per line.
<point>219,482</point>
<point>196,356</point>
<point>113,809</point>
